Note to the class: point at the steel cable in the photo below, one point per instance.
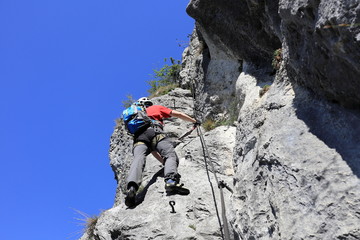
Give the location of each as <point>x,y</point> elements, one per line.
<point>224,227</point>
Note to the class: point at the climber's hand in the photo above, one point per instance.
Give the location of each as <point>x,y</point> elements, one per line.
<point>197,123</point>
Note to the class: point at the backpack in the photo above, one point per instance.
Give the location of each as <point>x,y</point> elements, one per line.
<point>136,119</point>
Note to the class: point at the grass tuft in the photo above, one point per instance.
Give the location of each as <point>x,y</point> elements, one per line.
<point>192,226</point>
<point>209,124</point>
<point>88,222</point>
<point>264,90</point>
<point>163,90</point>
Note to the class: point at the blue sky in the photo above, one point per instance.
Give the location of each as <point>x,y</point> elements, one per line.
<point>65,67</point>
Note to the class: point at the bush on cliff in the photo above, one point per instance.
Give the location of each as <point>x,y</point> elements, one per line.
<point>165,79</point>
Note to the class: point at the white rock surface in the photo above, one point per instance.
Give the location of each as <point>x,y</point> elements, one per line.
<point>196,215</point>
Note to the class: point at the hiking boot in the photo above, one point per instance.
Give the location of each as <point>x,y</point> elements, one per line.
<point>130,197</point>
<point>170,184</point>
<point>172,187</point>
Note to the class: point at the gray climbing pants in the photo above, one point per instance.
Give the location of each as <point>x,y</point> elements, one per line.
<point>141,150</point>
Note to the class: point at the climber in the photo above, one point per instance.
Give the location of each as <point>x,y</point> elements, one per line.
<point>153,140</point>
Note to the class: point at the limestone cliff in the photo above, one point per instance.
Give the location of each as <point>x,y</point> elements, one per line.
<point>290,151</point>
<point>195,215</point>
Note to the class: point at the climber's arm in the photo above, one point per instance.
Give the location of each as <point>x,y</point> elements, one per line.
<point>182,116</point>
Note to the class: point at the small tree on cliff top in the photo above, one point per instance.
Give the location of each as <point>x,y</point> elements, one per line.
<point>164,79</point>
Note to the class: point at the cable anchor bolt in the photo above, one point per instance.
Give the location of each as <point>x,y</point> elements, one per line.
<point>223,184</point>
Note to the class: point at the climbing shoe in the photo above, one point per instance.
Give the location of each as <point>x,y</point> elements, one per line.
<point>172,187</point>
<point>130,197</point>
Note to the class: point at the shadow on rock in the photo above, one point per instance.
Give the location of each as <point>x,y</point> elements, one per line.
<point>337,127</point>
<point>141,196</point>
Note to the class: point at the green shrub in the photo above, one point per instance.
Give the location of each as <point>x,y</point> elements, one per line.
<point>233,111</point>
<point>232,114</point>
<point>228,120</point>
<point>164,90</point>
<point>166,76</point>
<point>209,124</point>
<point>224,122</point>
<point>277,57</point>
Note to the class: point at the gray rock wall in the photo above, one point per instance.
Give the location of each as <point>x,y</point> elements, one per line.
<point>321,42</point>
<point>211,70</point>
<point>196,214</point>
<point>320,39</point>
<point>242,27</point>
<point>297,157</point>
<point>296,166</point>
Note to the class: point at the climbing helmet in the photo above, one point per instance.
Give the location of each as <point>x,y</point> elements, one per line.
<point>145,102</point>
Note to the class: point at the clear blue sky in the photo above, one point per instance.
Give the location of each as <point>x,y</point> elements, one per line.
<point>65,67</point>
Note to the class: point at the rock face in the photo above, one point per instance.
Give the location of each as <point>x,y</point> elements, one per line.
<point>320,39</point>
<point>290,146</point>
<point>297,175</point>
<point>195,215</point>
<point>213,77</point>
<point>296,159</point>
<point>240,28</point>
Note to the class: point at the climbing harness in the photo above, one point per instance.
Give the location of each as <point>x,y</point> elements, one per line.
<point>224,227</point>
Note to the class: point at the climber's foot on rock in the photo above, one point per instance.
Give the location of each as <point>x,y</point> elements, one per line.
<point>130,197</point>
<point>171,187</point>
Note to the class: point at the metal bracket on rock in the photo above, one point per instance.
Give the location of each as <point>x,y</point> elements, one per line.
<point>172,204</point>
<point>222,184</point>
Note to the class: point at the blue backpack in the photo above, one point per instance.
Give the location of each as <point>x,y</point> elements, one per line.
<point>136,119</point>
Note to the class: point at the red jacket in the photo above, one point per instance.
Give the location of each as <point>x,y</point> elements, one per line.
<point>158,112</point>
